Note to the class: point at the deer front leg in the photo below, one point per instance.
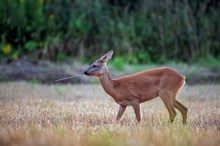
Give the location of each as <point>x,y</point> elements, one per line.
<point>136,108</point>
<point>120,112</point>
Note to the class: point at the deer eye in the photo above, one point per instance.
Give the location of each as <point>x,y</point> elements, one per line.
<point>94,66</point>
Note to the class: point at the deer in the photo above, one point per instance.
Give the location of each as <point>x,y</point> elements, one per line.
<point>134,89</point>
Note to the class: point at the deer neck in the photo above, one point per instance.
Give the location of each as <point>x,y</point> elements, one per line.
<point>108,84</point>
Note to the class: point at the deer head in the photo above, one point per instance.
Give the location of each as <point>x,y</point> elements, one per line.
<point>98,68</point>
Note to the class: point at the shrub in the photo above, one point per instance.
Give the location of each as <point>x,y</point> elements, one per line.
<point>142,30</point>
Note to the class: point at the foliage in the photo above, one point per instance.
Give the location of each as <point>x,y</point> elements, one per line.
<point>118,63</point>
<point>209,61</point>
<point>140,31</point>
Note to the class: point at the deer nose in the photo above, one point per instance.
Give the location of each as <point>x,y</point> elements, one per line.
<point>85,73</point>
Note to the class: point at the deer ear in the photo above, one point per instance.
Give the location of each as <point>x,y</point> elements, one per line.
<point>106,57</point>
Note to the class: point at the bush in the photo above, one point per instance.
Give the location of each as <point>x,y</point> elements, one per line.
<point>118,63</point>
<point>145,31</point>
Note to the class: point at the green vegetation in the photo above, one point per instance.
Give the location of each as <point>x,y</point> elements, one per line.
<point>139,31</point>
<point>118,63</point>
<point>209,61</point>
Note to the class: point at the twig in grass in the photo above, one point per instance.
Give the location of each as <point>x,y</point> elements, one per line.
<point>68,77</point>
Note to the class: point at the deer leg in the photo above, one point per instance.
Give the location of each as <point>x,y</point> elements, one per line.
<point>169,105</point>
<point>181,108</point>
<point>136,108</point>
<point>120,112</point>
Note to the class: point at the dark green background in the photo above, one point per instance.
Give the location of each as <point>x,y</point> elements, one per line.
<point>139,31</point>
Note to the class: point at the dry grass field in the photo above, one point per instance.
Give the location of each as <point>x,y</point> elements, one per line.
<point>83,115</point>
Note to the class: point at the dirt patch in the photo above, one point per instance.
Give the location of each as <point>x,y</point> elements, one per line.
<point>201,75</point>
<point>43,72</point>
<point>48,72</point>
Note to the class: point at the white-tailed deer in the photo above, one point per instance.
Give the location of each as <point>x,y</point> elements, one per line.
<point>140,87</point>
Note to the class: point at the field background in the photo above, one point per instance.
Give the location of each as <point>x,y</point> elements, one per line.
<point>44,40</point>
<point>81,115</point>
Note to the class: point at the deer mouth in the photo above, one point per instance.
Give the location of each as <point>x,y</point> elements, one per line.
<point>85,73</point>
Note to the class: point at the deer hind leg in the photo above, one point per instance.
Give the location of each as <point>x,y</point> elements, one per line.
<point>181,108</point>
<point>167,100</point>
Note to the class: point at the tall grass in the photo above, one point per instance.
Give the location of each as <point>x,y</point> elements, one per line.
<point>141,31</point>
<point>82,115</point>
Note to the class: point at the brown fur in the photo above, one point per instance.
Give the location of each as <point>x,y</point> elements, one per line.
<point>140,87</point>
